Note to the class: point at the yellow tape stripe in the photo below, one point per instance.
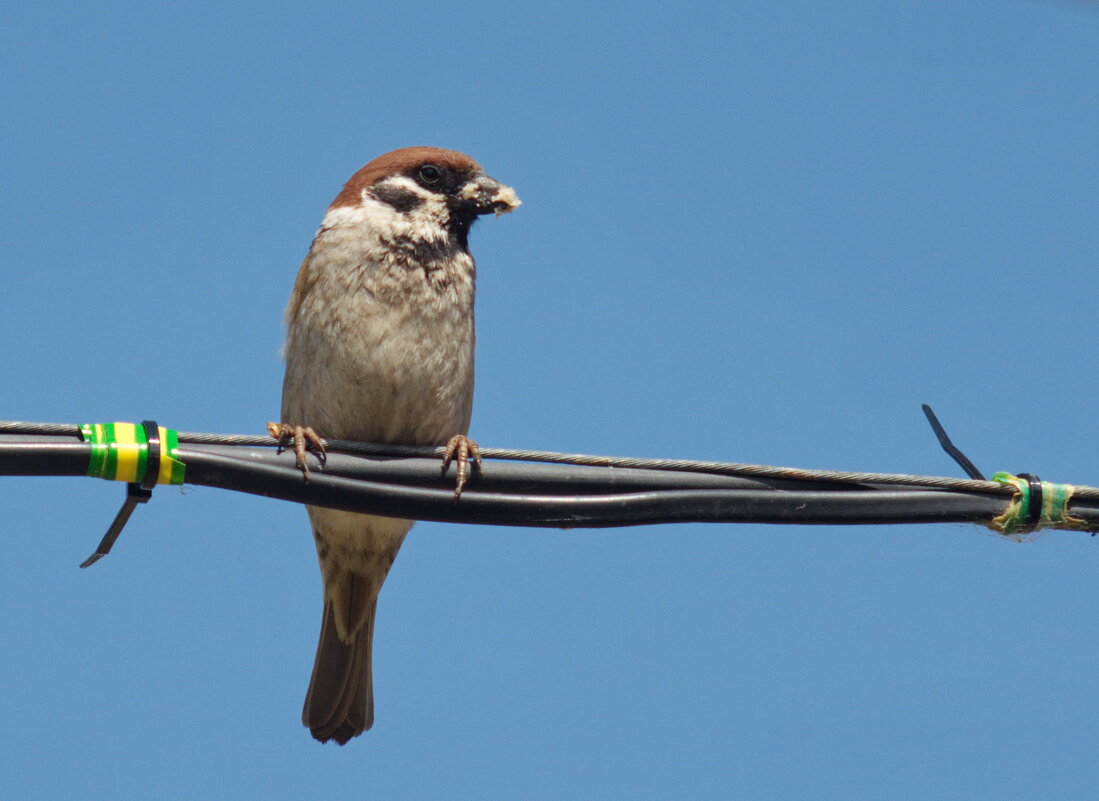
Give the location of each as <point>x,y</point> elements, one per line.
<point>128,450</point>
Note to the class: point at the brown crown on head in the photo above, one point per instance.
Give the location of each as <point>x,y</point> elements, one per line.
<point>400,162</point>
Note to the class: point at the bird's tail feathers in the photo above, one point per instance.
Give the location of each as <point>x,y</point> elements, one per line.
<point>340,701</point>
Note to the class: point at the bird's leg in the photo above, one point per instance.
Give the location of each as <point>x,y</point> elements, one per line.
<point>462,450</point>
<point>302,438</point>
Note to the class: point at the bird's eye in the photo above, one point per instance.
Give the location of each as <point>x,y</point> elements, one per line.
<point>429,175</point>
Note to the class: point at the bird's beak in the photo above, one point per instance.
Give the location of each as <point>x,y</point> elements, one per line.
<point>486,195</point>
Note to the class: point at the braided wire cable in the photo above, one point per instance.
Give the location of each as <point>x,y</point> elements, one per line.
<point>589,460</point>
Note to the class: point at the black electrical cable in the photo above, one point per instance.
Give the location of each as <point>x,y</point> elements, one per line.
<point>553,494</point>
<point>631,507</point>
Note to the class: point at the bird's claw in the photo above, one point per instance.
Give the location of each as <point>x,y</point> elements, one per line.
<point>461,450</point>
<point>302,439</point>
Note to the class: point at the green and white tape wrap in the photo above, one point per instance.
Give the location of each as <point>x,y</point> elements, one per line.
<point>120,452</point>
<point>1054,513</point>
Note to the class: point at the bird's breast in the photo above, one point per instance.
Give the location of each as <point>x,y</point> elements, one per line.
<point>381,349</point>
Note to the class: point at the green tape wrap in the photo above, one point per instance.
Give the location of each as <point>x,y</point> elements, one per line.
<point>1054,513</point>
<point>120,452</point>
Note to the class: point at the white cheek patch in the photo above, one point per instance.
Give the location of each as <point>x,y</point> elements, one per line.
<point>426,219</point>
<point>404,184</point>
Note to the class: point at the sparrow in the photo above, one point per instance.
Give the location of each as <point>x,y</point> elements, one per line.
<point>379,348</point>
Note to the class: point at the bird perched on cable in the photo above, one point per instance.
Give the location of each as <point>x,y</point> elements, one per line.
<point>379,348</point>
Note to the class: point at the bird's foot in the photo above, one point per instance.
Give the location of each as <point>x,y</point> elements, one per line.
<point>302,439</point>
<point>461,450</point>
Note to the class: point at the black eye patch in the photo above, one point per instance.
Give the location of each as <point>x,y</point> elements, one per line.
<point>403,200</point>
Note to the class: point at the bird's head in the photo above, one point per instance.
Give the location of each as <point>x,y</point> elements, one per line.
<point>423,189</point>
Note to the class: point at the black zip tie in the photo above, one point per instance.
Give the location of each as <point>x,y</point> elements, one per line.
<point>1034,503</point>
<point>135,494</point>
<point>1035,498</point>
<point>951,449</point>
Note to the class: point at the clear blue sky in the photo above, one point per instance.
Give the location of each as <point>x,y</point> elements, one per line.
<point>752,231</point>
